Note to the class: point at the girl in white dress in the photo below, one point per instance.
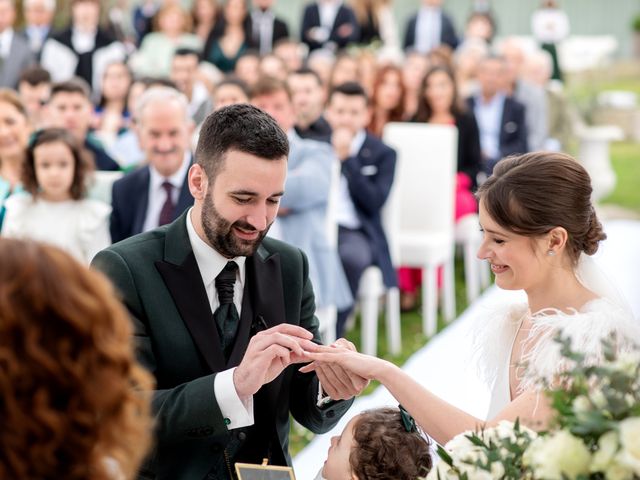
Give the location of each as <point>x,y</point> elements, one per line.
<point>53,208</point>
<point>538,225</point>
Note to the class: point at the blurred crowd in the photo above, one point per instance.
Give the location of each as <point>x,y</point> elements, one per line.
<point>99,119</point>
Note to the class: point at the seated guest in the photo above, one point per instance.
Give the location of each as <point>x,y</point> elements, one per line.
<point>266,29</point>
<point>111,116</point>
<point>291,52</point>
<point>69,107</point>
<point>15,53</point>
<point>308,97</point>
<point>273,66</point>
<point>387,100</point>
<point>38,17</point>
<point>173,31</point>
<point>368,168</point>
<point>184,70</point>
<point>329,24</point>
<point>321,61</point>
<point>439,104</point>
<point>345,69</point>
<point>83,49</point>
<point>528,94</point>
<point>70,385</point>
<point>230,91</point>
<point>156,193</point>
<point>377,23</point>
<point>414,69</point>
<point>230,38</point>
<point>429,28</point>
<point>247,67</point>
<point>204,14</point>
<point>34,89</point>
<point>356,453</point>
<point>500,119</point>
<point>54,208</point>
<point>14,138</point>
<point>303,208</point>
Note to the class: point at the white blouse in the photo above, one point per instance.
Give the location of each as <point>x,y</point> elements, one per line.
<point>81,227</point>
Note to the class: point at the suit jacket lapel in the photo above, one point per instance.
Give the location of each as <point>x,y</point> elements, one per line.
<point>142,202</point>
<point>181,275</point>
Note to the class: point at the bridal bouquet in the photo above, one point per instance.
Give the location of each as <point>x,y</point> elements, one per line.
<point>595,433</point>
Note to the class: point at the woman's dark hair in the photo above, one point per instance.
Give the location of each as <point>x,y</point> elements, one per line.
<point>71,390</point>
<point>533,193</point>
<point>82,164</point>
<point>397,114</point>
<point>425,111</point>
<point>385,450</point>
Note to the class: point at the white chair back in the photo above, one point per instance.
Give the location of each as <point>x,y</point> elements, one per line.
<point>99,186</point>
<point>424,187</point>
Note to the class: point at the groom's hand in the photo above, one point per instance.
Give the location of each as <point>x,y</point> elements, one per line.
<point>268,354</point>
<point>338,383</point>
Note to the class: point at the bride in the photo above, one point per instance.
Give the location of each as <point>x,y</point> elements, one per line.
<point>539,231</point>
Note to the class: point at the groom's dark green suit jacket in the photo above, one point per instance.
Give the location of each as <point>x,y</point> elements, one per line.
<point>157,275</point>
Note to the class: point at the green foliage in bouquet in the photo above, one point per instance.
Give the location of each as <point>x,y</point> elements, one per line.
<point>594,434</point>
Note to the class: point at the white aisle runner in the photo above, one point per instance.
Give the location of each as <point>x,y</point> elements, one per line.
<point>443,364</point>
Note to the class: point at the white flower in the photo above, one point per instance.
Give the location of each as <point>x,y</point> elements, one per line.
<point>558,454</point>
<point>630,442</point>
<point>607,448</point>
<point>628,363</point>
<point>581,404</point>
<point>598,399</point>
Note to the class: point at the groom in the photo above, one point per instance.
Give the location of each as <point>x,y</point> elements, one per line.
<point>222,313</point>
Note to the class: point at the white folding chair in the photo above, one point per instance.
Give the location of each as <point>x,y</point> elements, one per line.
<point>99,186</point>
<point>425,189</point>
<point>372,287</point>
<point>476,272</point>
<point>328,315</point>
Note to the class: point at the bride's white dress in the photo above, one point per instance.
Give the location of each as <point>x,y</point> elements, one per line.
<point>494,342</point>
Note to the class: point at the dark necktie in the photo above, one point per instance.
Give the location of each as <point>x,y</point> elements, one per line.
<point>226,315</point>
<point>166,214</point>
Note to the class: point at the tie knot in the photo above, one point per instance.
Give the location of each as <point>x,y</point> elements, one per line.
<point>168,187</point>
<point>225,281</point>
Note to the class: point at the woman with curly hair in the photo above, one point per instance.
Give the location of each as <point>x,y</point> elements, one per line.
<point>71,401</point>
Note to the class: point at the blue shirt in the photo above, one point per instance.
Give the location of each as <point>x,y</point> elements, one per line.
<point>489,119</point>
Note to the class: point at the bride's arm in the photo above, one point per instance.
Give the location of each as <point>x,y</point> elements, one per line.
<point>441,420</point>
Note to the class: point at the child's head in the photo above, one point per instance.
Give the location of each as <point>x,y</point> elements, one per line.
<point>55,166</point>
<point>378,444</point>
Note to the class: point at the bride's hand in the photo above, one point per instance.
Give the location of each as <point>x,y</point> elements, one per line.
<point>359,364</point>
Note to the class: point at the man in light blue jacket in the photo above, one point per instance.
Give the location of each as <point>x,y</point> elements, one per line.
<point>303,208</point>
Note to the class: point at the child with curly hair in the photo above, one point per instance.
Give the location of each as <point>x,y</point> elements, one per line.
<point>379,444</point>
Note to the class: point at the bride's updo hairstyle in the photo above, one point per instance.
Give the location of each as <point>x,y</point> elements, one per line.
<point>533,193</point>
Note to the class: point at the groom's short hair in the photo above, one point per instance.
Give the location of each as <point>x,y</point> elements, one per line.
<point>242,128</point>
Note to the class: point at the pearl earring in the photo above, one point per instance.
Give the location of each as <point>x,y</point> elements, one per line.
<point>551,253</point>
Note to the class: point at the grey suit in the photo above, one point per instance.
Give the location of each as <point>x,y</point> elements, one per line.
<point>20,57</point>
<point>306,196</point>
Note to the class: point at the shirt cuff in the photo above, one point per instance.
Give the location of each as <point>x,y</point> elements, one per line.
<point>236,413</point>
<point>322,399</point>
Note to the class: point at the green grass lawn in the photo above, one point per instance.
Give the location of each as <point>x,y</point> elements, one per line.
<point>625,158</point>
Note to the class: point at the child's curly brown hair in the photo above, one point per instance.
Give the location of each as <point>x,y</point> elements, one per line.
<point>385,450</point>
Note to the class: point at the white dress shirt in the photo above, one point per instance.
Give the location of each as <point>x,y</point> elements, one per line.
<point>6,38</point>
<point>346,215</point>
<point>489,119</point>
<point>158,195</point>
<point>238,412</point>
<point>428,29</point>
<point>83,42</point>
<point>263,28</point>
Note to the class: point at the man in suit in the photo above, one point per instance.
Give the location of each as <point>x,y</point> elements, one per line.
<point>329,24</point>
<point>158,192</point>
<point>302,215</point>
<point>368,168</point>
<point>500,119</point>
<point>265,28</point>
<point>308,97</point>
<point>430,28</point>
<point>15,54</point>
<point>226,382</point>
<point>38,15</point>
<point>70,107</point>
<point>184,73</point>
